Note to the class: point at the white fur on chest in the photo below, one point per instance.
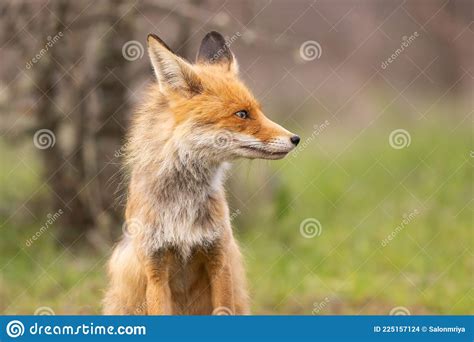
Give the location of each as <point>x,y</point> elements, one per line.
<point>184,219</point>
<point>182,237</point>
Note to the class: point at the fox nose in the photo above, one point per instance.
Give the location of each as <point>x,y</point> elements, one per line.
<point>295,140</point>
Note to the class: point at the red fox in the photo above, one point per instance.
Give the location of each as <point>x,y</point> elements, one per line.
<point>178,254</point>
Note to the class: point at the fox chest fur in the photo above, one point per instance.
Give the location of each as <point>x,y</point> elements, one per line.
<point>182,208</point>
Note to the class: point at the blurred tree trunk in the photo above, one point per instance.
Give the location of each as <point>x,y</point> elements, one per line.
<point>80,168</point>
<point>62,172</point>
<point>106,119</point>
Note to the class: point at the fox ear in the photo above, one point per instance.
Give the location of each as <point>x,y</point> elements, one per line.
<point>215,50</point>
<point>172,72</point>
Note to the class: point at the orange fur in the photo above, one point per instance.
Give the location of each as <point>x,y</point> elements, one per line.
<point>179,255</point>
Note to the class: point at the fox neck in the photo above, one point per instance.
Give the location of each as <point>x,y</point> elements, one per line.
<point>184,173</point>
<point>180,174</point>
<point>182,204</point>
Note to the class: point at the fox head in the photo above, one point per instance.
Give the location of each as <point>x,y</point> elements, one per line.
<point>211,113</point>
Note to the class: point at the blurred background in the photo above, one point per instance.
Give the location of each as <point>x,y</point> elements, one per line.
<point>372,214</point>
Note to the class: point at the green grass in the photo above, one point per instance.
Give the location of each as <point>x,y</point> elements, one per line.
<point>359,198</point>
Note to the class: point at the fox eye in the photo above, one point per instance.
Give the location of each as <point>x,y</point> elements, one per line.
<point>243,114</point>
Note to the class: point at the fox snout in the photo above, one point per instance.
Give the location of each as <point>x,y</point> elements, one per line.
<point>271,141</point>
<point>295,140</point>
